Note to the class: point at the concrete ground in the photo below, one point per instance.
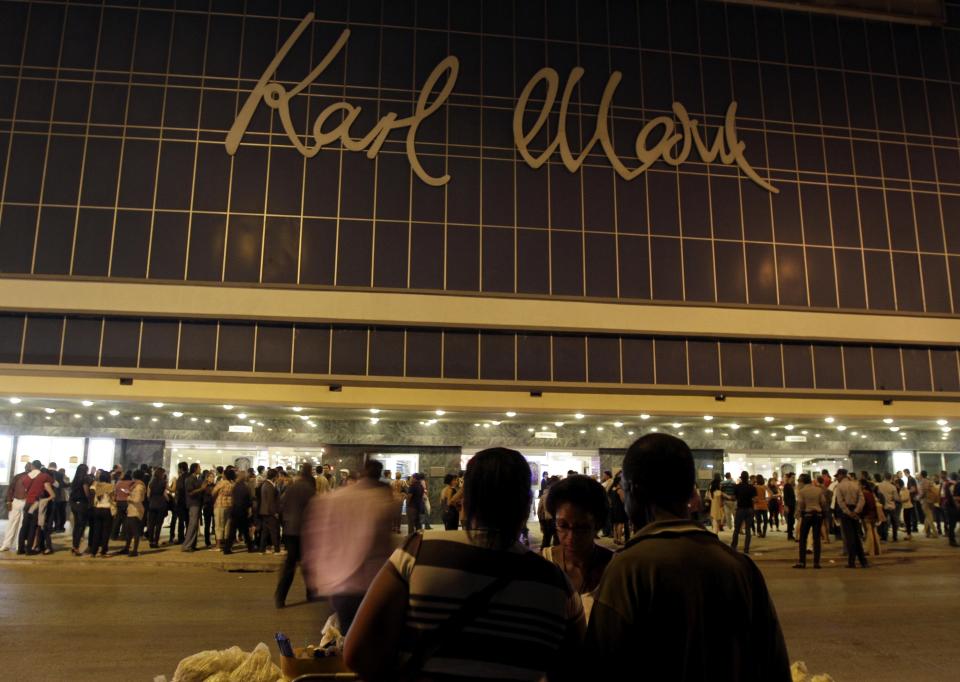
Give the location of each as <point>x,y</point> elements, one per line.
<point>121,618</point>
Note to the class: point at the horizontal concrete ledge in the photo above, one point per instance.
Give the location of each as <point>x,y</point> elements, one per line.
<point>460,311</point>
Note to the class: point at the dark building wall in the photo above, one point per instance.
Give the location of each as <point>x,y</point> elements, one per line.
<point>112,127</point>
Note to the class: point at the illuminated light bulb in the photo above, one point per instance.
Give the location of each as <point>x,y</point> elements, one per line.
<point>511,414</point>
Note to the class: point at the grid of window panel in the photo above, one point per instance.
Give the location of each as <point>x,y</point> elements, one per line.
<point>113,117</point>
<point>459,355</point>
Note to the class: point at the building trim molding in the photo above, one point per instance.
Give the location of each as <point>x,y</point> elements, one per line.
<point>45,296</point>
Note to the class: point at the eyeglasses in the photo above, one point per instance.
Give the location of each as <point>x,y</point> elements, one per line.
<point>563,528</point>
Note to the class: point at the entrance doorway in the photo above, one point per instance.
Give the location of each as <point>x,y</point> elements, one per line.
<point>768,464</point>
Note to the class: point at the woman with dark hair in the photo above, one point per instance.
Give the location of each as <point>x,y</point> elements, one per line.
<point>449,510</point>
<point>156,506</point>
<point>578,505</point>
<point>102,517</point>
<point>470,603</point>
<point>80,505</point>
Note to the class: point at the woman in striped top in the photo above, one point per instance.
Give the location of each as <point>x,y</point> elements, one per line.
<point>471,604</point>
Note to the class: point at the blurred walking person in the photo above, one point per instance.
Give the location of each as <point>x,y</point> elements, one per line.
<point>293,505</point>
<point>240,510</point>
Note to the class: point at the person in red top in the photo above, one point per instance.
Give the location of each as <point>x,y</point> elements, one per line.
<point>16,499</point>
<point>39,485</point>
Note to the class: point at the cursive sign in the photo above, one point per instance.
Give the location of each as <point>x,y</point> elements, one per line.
<point>725,145</point>
<point>679,134</point>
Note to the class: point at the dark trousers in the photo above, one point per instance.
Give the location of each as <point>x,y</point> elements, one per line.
<point>60,515</point>
<point>289,568</point>
<point>45,540</point>
<point>762,522</point>
<point>118,520</point>
<point>132,530</point>
<point>28,529</point>
<point>207,524</point>
<point>950,516</point>
<point>851,538</point>
<point>270,526</point>
<point>178,523</point>
<point>101,521</point>
<point>807,523</point>
<point>81,513</point>
<point>774,508</point>
<point>790,523</point>
<point>413,519</point>
<point>918,515</point>
<point>155,519</point>
<point>346,606</point>
<point>743,517</point>
<point>909,521</point>
<point>891,524</point>
<point>451,519</point>
<point>239,525</point>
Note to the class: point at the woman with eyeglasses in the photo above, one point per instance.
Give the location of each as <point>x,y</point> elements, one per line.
<point>578,505</point>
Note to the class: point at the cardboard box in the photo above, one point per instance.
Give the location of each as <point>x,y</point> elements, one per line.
<point>303,664</point>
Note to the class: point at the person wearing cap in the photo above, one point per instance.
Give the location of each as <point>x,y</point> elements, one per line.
<point>660,595</point>
<point>850,501</point>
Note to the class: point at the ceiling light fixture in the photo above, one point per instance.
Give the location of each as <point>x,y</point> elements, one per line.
<point>178,414</point>
<point>829,420</point>
<point>789,427</point>
<point>242,415</point>
<point>49,410</point>
<point>618,424</point>
<point>558,424</point>
<point>644,417</point>
<point>511,413</point>
<point>15,401</point>
<point>768,419</point>
<point>297,409</point>
<point>734,426</point>
<point>894,428</point>
<point>374,420</point>
<point>708,430</point>
<point>599,428</point>
<point>940,422</point>
<point>676,425</point>
<point>887,420</point>
<point>114,413</point>
<point>154,419</point>
<point>374,410</point>
<point>86,403</point>
<point>578,415</point>
<point>708,417</point>
<point>841,427</point>
<point>136,419</point>
<point>228,407</point>
<point>439,413</point>
<point>76,416</point>
<point>158,405</point>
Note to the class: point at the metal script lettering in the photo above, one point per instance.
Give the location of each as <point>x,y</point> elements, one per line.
<point>674,145</point>
<point>726,145</point>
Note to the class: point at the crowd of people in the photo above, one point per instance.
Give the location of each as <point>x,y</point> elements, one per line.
<point>862,513</point>
<point>473,596</point>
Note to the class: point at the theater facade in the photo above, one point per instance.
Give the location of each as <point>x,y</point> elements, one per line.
<point>323,231</point>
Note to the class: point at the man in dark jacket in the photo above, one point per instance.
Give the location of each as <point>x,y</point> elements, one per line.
<point>293,504</point>
<point>661,593</point>
<point>239,511</point>
<point>268,506</point>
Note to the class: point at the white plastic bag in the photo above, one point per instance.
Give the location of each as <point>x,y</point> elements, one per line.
<point>204,664</point>
<point>258,667</point>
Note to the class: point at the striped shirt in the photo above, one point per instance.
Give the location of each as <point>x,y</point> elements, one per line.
<point>516,635</point>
